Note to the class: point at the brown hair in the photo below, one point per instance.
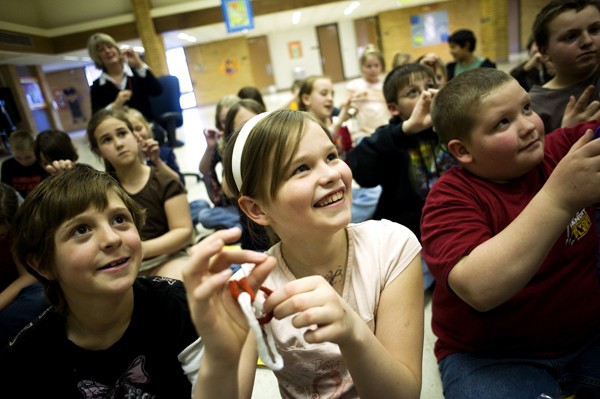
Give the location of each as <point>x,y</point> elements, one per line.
<point>277,135</point>
<point>455,107</point>
<point>551,11</point>
<point>54,145</point>
<point>56,199</point>
<point>93,124</point>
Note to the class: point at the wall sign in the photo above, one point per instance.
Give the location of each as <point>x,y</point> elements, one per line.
<point>237,15</point>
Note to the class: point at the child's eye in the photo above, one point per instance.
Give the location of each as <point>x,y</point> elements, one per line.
<point>80,230</point>
<point>332,157</point>
<point>105,140</point>
<point>503,122</point>
<point>300,169</point>
<point>594,29</point>
<point>527,108</point>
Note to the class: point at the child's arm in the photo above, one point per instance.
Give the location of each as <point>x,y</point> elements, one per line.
<point>579,110</point>
<point>151,148</point>
<point>180,229</point>
<point>513,256</point>
<point>10,293</point>
<point>420,118</point>
<point>385,364</point>
<point>218,318</point>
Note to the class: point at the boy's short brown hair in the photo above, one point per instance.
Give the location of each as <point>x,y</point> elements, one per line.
<point>551,11</point>
<point>401,76</point>
<point>454,112</point>
<point>55,200</point>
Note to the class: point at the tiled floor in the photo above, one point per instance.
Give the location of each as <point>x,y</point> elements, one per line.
<point>188,156</point>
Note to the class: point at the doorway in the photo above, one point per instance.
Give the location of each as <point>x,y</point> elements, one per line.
<point>260,62</point>
<point>331,55</point>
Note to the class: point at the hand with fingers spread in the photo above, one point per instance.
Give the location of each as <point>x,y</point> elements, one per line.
<point>215,313</point>
<point>314,302</point>
<point>578,110</point>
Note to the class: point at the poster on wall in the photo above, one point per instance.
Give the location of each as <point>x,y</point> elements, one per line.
<point>237,15</point>
<point>33,93</point>
<point>429,29</point>
<point>295,50</point>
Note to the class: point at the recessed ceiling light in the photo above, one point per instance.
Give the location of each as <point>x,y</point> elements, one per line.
<point>296,17</point>
<point>187,38</point>
<point>350,9</point>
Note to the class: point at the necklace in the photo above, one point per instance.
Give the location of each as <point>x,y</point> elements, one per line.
<point>334,276</point>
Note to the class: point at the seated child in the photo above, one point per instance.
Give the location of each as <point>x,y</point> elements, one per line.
<point>164,158</point>
<point>347,298</point>
<point>22,171</point>
<point>168,229</point>
<point>566,35</point>
<point>55,151</point>
<point>108,333</point>
<point>510,238</point>
<point>404,157</point>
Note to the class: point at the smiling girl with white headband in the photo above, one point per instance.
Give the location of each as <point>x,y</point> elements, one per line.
<point>347,298</point>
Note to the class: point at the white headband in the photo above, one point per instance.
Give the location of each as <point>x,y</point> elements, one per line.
<point>238,148</point>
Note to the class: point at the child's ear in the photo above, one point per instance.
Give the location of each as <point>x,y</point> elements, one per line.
<point>305,99</point>
<point>393,108</point>
<point>459,151</point>
<point>33,263</point>
<point>253,210</point>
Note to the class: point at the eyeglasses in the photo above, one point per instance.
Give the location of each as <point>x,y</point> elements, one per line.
<point>416,91</point>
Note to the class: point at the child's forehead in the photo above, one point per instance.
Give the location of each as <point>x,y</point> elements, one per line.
<point>573,19</point>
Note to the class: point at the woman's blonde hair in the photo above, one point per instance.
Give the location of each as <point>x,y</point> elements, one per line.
<point>92,45</point>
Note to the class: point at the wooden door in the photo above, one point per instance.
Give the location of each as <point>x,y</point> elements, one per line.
<point>331,56</point>
<point>367,33</point>
<point>260,61</point>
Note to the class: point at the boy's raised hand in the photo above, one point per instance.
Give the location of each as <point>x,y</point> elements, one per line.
<point>216,315</point>
<point>420,118</point>
<point>575,182</point>
<point>579,110</point>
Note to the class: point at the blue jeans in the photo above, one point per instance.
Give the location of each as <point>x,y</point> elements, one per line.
<point>364,202</point>
<point>214,217</point>
<point>467,376</point>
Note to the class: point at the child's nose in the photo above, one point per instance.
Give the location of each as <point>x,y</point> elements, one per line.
<point>108,237</point>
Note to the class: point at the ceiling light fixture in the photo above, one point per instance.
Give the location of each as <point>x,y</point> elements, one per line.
<point>350,9</point>
<point>296,17</point>
<point>187,38</point>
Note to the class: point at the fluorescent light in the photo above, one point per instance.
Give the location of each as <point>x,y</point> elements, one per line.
<point>70,58</point>
<point>139,49</point>
<point>296,17</point>
<point>187,38</point>
<point>350,9</point>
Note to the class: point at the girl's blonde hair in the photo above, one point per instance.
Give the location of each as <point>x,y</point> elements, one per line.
<point>371,50</point>
<point>278,135</point>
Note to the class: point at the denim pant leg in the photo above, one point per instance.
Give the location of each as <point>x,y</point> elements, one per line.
<point>364,202</point>
<point>465,376</point>
<point>580,375</point>
<point>428,278</point>
<point>220,217</point>
<point>195,208</point>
